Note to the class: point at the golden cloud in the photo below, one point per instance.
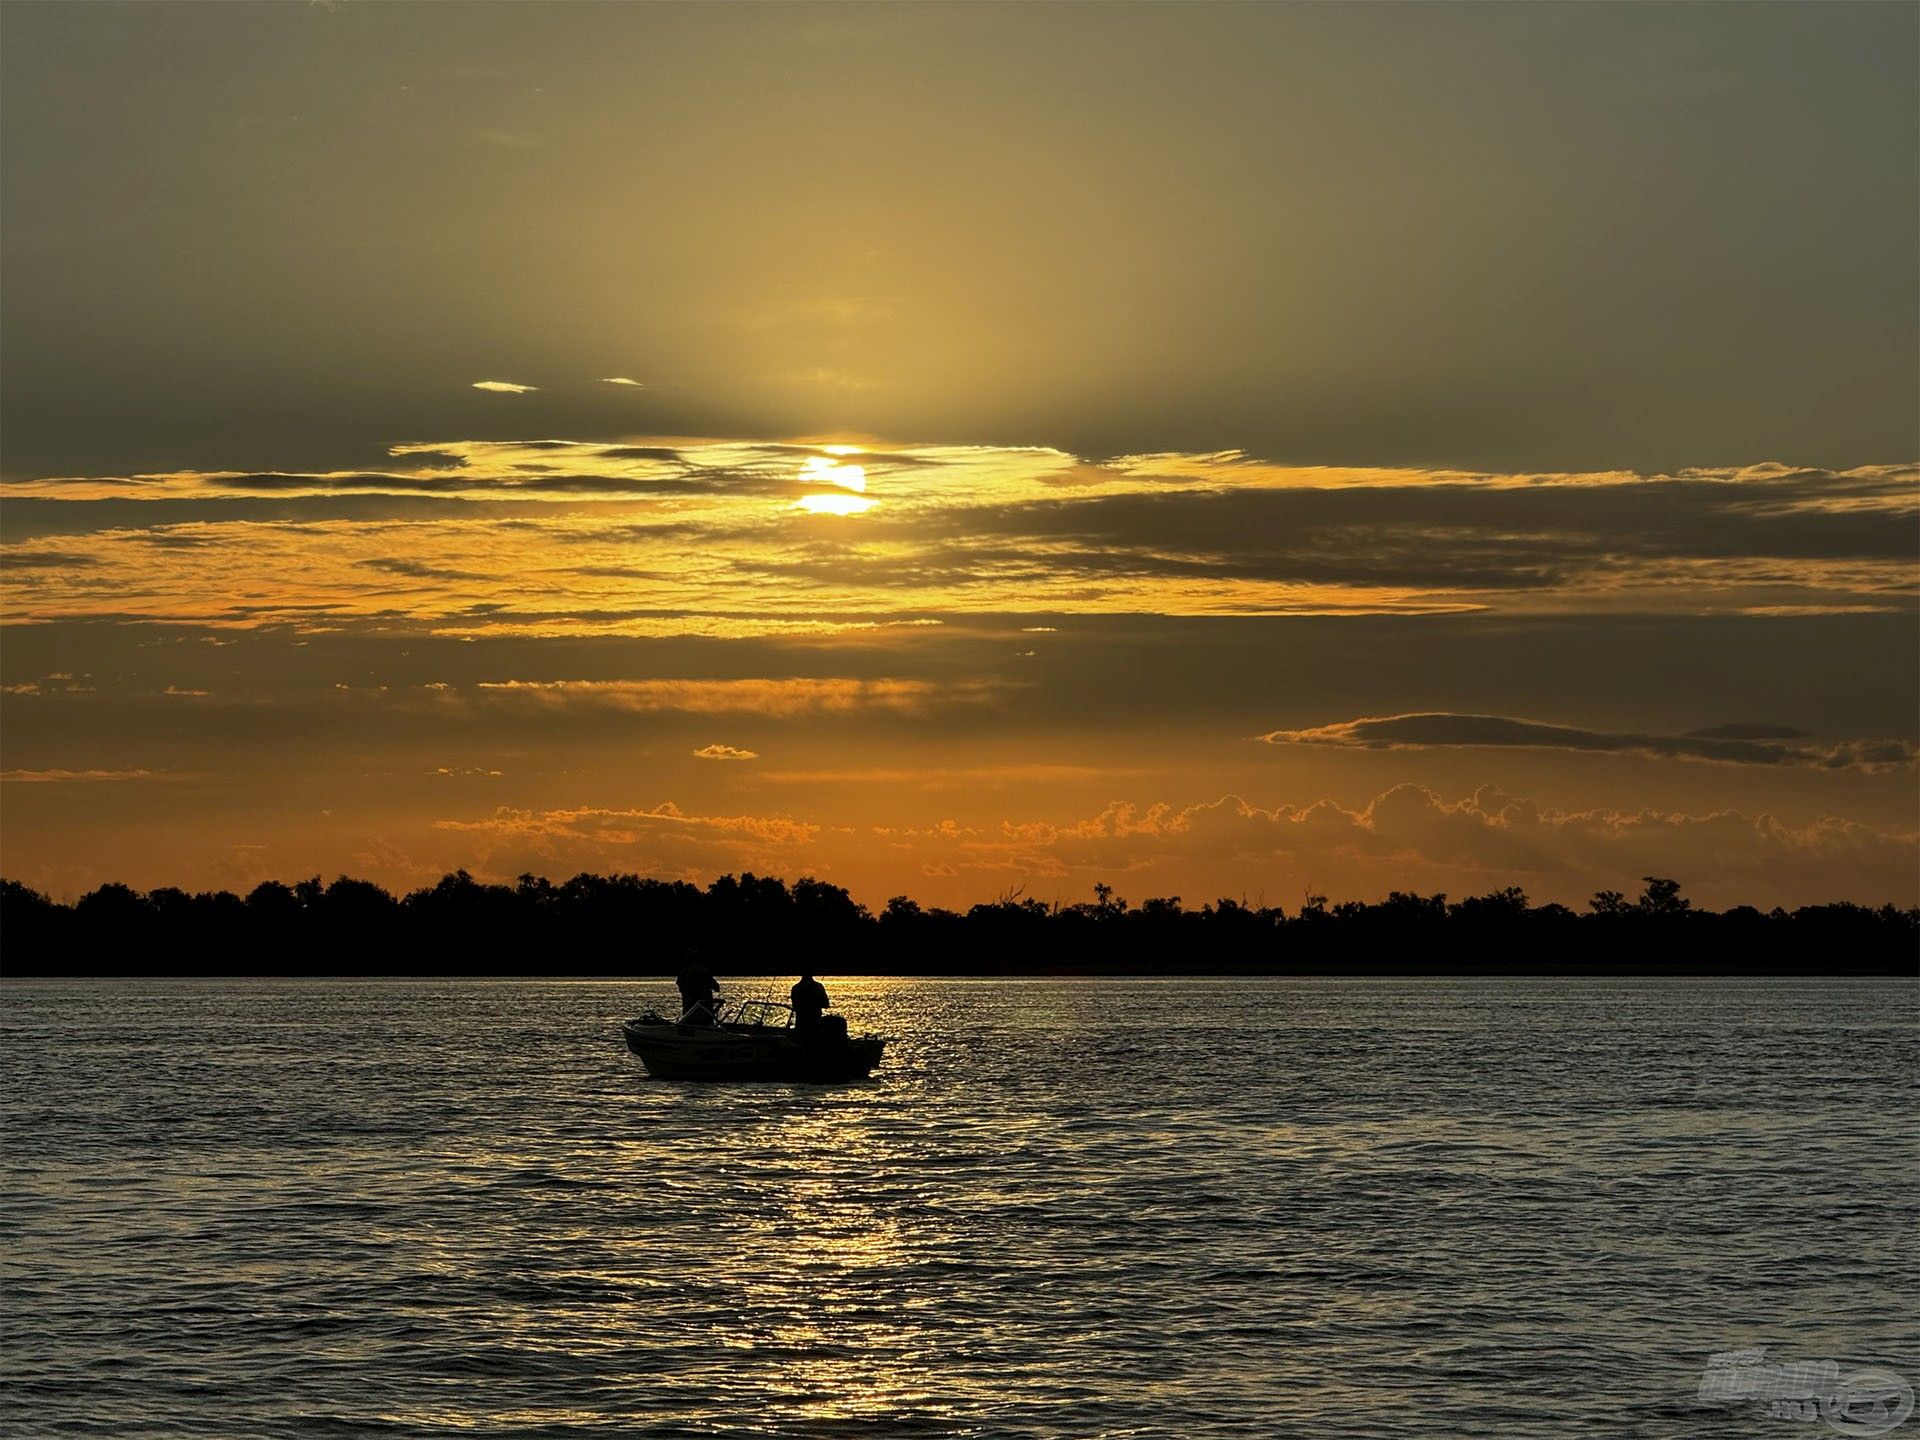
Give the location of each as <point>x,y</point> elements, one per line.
<point>777,697</point>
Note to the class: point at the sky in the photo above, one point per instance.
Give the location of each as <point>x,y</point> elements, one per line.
<point>963,450</point>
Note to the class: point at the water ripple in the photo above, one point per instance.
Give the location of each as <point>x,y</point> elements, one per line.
<point>1062,1209</point>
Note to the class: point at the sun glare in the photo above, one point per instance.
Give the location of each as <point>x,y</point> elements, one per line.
<point>835,504</point>
<point>829,469</point>
<point>819,469</point>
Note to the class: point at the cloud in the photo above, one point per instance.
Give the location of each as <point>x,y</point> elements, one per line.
<point>790,696</point>
<point>698,537</point>
<point>662,841</point>
<point>427,455</point>
<point>1410,835</point>
<point>621,380</point>
<point>280,482</point>
<point>1406,837</point>
<point>665,453</point>
<point>47,777</point>
<point>457,483</point>
<point>503,387</point>
<point>1746,730</point>
<point>1734,744</point>
<point>970,778</point>
<point>665,816</point>
<point>415,570</point>
<point>724,752</point>
<point>1470,533</point>
<point>44,560</point>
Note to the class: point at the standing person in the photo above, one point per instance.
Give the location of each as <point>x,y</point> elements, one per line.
<point>809,998</point>
<point>697,991</point>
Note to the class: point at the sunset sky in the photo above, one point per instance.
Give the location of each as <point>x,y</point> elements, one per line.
<point>954,450</point>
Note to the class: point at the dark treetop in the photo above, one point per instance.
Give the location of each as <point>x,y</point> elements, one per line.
<point>749,924</point>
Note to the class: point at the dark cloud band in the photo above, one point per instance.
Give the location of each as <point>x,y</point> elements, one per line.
<point>1733,744</point>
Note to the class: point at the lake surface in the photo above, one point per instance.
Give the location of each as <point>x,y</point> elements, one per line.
<point>1062,1208</point>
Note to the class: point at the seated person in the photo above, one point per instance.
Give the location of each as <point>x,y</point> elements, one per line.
<point>809,999</point>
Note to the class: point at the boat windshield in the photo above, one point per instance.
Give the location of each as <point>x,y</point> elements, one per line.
<point>772,1014</point>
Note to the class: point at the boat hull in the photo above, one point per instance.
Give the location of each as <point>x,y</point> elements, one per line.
<point>672,1051</point>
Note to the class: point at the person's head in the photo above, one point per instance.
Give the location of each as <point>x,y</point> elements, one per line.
<point>806,978</point>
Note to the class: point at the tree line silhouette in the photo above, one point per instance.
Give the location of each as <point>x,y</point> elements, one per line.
<point>616,925</point>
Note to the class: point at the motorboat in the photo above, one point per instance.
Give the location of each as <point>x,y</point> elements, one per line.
<point>750,1040</point>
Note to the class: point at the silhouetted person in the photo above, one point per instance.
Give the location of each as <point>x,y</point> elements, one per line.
<point>697,991</point>
<point>809,998</point>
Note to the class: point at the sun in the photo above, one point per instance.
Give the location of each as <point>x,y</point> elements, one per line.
<point>834,471</point>
<point>849,482</point>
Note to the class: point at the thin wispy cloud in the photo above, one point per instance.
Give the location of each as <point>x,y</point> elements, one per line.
<point>724,752</point>
<point>1732,744</point>
<point>1412,829</point>
<point>622,380</point>
<point>769,696</point>
<point>56,777</point>
<point>503,387</point>
<point>44,560</point>
<point>661,840</point>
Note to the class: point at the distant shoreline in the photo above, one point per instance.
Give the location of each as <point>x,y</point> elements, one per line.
<point>620,927</point>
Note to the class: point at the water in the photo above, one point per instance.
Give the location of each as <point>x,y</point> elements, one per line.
<point>1062,1209</point>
